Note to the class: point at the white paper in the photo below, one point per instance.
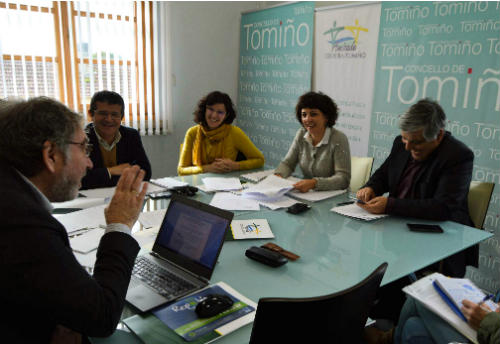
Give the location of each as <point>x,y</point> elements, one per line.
<point>315,196</point>
<point>257,176</point>
<point>87,241</point>
<point>79,202</point>
<point>230,201</point>
<point>355,211</point>
<point>86,260</point>
<point>87,218</point>
<point>424,292</point>
<point>283,202</point>
<point>222,184</point>
<point>99,192</point>
<point>150,219</point>
<point>146,237</point>
<point>251,229</point>
<point>168,182</point>
<point>270,189</point>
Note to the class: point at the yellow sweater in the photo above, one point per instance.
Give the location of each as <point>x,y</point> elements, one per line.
<point>235,142</point>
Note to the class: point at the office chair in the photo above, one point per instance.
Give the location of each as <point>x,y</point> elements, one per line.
<point>335,318</point>
<point>478,201</point>
<point>361,168</point>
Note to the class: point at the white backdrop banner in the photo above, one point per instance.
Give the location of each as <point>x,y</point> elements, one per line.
<point>345,42</point>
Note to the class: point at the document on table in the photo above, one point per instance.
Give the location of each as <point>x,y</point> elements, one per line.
<point>230,201</point>
<point>79,202</point>
<point>87,241</point>
<point>167,182</point>
<point>315,196</point>
<point>283,202</point>
<point>87,218</point>
<point>150,219</point>
<point>270,189</point>
<point>356,212</point>
<point>424,292</point>
<point>109,192</point>
<point>222,184</point>
<point>251,229</point>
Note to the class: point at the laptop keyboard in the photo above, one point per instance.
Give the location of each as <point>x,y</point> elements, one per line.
<point>164,282</point>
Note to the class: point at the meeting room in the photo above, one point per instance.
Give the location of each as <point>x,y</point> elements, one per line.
<point>250,171</point>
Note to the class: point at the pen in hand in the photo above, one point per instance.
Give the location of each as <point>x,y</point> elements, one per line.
<point>486,298</point>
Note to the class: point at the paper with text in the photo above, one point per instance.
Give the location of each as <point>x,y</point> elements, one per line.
<point>356,212</point>
<point>230,201</point>
<point>251,229</point>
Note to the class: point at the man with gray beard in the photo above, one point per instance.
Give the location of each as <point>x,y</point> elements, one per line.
<point>46,295</point>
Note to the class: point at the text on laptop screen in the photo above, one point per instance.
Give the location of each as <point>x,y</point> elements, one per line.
<point>192,233</point>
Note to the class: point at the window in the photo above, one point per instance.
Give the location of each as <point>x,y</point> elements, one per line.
<point>69,50</point>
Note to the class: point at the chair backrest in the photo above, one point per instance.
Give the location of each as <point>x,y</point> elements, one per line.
<point>336,318</point>
<point>478,201</point>
<point>361,168</point>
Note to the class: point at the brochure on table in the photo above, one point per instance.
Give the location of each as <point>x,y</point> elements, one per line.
<point>150,329</point>
<point>251,229</point>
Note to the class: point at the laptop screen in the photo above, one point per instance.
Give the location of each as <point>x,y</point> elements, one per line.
<point>192,234</point>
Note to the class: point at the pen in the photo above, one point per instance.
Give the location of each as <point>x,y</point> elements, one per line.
<point>345,203</point>
<point>486,298</point>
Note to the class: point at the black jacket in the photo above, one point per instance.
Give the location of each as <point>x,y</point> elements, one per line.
<point>128,150</point>
<point>439,191</point>
<point>42,283</point>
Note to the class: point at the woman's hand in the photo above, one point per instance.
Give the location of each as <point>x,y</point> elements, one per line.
<point>222,166</point>
<point>305,185</point>
<point>474,313</point>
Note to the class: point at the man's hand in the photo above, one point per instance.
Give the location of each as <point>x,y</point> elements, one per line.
<point>375,205</point>
<point>118,169</point>
<point>474,313</point>
<point>128,199</point>
<point>365,194</point>
<point>305,185</point>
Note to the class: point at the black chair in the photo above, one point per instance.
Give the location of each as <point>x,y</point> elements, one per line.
<point>336,318</point>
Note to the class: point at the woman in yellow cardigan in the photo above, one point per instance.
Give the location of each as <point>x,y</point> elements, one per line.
<point>214,144</point>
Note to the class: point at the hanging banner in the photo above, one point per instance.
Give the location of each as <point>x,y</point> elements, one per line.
<point>274,70</point>
<point>344,67</point>
<point>450,52</point>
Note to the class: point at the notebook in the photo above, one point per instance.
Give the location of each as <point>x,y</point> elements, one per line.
<point>184,254</point>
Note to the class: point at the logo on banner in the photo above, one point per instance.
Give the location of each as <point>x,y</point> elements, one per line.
<point>344,41</point>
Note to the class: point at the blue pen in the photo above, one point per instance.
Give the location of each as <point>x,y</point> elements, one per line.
<point>486,298</point>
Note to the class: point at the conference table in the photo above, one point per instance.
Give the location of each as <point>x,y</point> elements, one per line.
<point>336,252</point>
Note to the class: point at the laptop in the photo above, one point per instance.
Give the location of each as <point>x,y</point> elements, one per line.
<point>184,254</point>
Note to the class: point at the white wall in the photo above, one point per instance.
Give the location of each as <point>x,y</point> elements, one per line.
<point>205,51</point>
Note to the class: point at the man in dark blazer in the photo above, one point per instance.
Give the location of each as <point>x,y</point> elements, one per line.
<point>427,175</point>
<point>116,147</point>
<point>45,294</point>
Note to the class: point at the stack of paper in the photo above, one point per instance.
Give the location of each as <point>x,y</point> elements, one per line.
<point>221,184</point>
<point>270,189</point>
<point>230,201</point>
<point>83,219</point>
<point>356,212</point>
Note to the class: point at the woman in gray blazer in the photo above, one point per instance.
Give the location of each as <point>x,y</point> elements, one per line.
<point>321,151</point>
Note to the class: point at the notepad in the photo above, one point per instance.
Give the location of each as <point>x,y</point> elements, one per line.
<point>356,212</point>
<point>257,176</point>
<point>455,290</point>
<point>222,184</point>
<point>315,196</point>
<point>230,201</point>
<point>251,229</point>
<point>167,182</point>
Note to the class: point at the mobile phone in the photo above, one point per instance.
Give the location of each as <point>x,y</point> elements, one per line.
<point>421,227</point>
<point>360,201</point>
<point>161,194</point>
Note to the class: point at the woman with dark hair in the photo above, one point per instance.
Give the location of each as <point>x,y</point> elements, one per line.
<point>321,151</point>
<point>214,144</point>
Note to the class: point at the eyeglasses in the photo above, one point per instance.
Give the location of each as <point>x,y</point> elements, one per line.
<point>85,145</point>
<point>114,115</point>
<point>219,112</point>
